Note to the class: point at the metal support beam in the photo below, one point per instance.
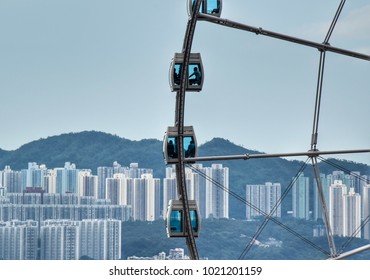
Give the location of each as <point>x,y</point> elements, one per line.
<point>351,253</point>
<point>320,78</point>
<point>325,214</point>
<point>260,31</point>
<point>311,153</point>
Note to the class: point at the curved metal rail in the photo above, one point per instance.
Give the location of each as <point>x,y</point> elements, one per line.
<point>179,122</point>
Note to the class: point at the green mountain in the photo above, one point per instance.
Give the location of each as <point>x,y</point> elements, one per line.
<point>90,149</point>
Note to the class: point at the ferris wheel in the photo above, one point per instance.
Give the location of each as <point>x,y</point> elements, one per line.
<point>180,145</point>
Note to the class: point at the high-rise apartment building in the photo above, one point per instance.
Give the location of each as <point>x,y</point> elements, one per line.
<point>317,206</point>
<point>355,181</point>
<point>50,182</point>
<point>135,172</point>
<point>218,193</point>
<point>262,200</point>
<point>364,181</point>
<point>169,188</point>
<point>35,175</point>
<point>18,240</point>
<point>11,180</point>
<point>104,173</point>
<point>352,214</point>
<point>366,211</point>
<point>209,186</point>
<point>201,188</point>
<point>87,184</point>
<point>300,197</point>
<point>59,240</point>
<point>66,178</point>
<point>153,202</point>
<point>100,239</point>
<point>336,176</point>
<point>70,178</point>
<point>116,189</point>
<point>146,198</point>
<point>255,197</point>
<point>273,203</point>
<point>60,181</point>
<point>336,192</point>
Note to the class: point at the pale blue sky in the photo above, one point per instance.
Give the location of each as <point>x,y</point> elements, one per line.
<point>74,65</point>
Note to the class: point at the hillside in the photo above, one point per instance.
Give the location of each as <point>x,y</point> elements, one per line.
<point>90,149</point>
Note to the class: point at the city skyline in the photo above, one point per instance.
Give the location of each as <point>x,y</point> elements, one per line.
<point>122,185</point>
<point>132,185</point>
<point>133,194</point>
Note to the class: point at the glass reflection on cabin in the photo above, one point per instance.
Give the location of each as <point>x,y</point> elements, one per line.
<point>177,74</point>
<point>195,74</point>
<point>211,7</point>
<point>172,147</point>
<point>193,3</point>
<point>176,221</point>
<point>189,147</point>
<point>194,220</point>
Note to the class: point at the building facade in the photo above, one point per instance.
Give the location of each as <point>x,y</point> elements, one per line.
<point>352,214</point>
<point>263,200</point>
<point>336,192</point>
<point>301,197</point>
